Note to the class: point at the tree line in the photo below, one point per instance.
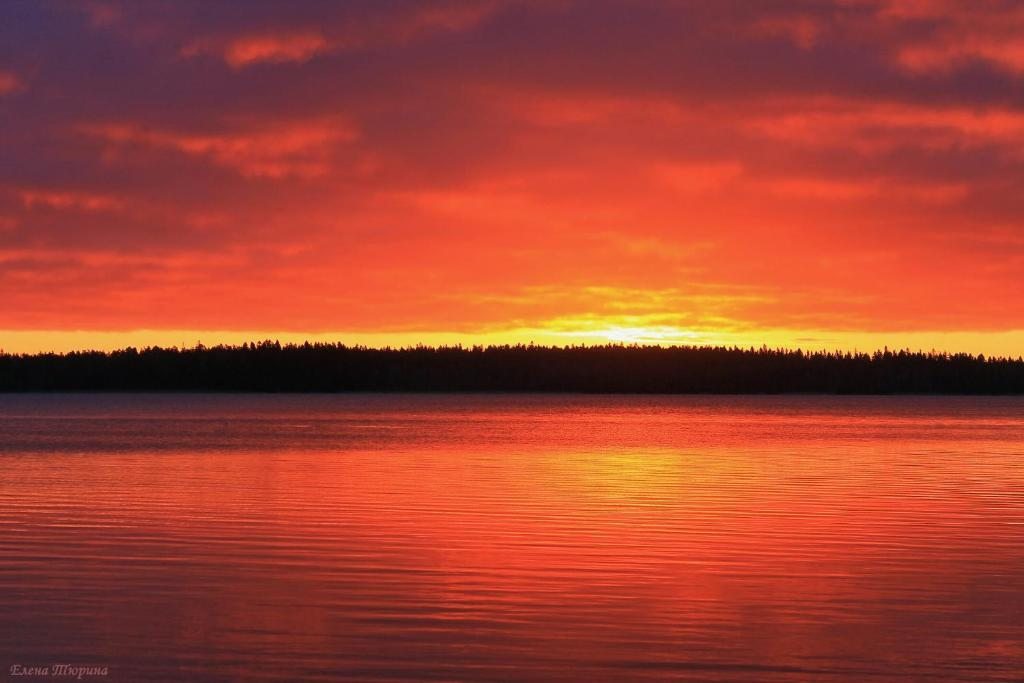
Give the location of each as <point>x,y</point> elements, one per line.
<point>268,366</point>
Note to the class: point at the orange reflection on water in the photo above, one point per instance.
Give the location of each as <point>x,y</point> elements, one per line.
<point>517,538</point>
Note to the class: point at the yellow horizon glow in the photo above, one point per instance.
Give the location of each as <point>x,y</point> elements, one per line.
<point>1004,343</point>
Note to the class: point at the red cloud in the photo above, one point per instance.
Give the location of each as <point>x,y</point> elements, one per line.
<point>273,151</point>
<point>57,199</point>
<point>963,32</point>
<point>301,45</point>
<point>881,126</point>
<point>275,49</point>
<point>9,82</point>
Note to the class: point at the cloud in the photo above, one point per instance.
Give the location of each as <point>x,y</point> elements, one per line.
<point>882,126</point>
<point>960,34</point>
<point>9,82</point>
<point>1008,52</point>
<point>385,167</point>
<point>56,199</point>
<point>275,49</point>
<point>300,44</point>
<point>300,149</point>
<point>101,14</point>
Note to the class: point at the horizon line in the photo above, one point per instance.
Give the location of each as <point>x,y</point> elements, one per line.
<point>277,344</point>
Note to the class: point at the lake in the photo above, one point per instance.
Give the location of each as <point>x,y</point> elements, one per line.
<point>512,537</point>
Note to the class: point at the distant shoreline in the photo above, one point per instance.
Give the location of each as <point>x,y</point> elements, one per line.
<point>269,367</point>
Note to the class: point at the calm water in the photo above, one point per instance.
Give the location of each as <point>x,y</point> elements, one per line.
<point>311,538</point>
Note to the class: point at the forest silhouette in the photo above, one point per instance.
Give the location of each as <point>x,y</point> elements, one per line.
<point>268,366</point>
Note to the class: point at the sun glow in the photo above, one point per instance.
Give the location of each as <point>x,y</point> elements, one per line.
<point>661,335</point>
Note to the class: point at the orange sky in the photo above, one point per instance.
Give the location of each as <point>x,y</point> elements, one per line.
<point>824,175</point>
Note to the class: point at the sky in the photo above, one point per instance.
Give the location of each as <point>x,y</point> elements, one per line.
<point>840,175</point>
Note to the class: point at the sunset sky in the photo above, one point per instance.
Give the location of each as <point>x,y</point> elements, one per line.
<point>790,172</point>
